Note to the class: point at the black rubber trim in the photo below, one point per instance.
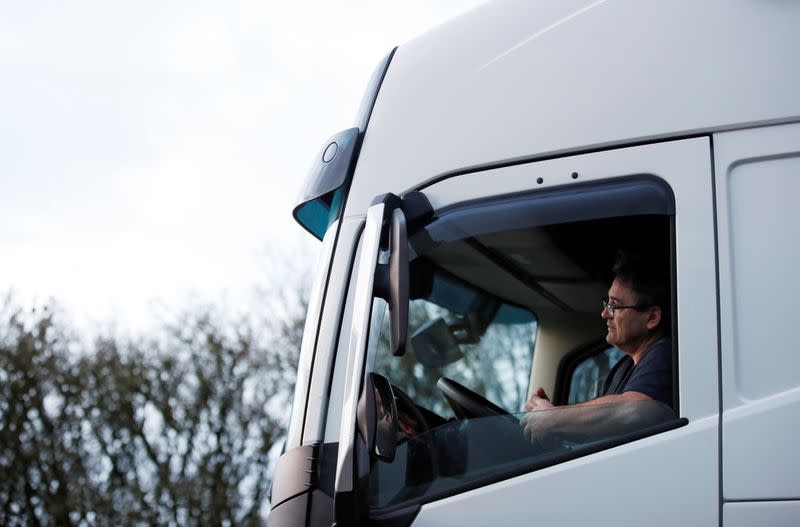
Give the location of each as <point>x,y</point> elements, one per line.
<point>719,326</point>
<point>418,210</point>
<point>531,467</point>
<point>626,196</point>
<point>391,201</point>
<point>367,105</point>
<point>674,313</point>
<point>770,500</point>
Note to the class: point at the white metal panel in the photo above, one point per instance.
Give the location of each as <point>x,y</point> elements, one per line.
<point>758,180</point>
<point>759,514</point>
<point>686,166</point>
<point>523,79</point>
<point>338,376</point>
<point>668,479</point>
<point>310,337</point>
<point>329,329</point>
<point>764,248</point>
<point>759,448</point>
<point>356,347</point>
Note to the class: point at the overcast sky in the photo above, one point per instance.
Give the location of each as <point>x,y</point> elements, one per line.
<point>152,150</point>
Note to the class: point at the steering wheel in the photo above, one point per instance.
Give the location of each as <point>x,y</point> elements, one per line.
<point>466,403</point>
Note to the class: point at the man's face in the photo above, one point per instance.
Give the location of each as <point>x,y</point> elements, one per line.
<point>628,327</point>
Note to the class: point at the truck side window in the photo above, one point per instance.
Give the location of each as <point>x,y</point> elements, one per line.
<point>493,355</point>
<point>497,302</point>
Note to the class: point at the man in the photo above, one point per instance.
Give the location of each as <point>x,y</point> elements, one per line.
<point>637,322</point>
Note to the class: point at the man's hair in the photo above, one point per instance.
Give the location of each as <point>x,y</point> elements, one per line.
<point>648,277</point>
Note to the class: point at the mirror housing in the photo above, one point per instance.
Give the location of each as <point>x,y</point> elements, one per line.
<point>322,197</point>
<point>391,282</point>
<point>377,417</point>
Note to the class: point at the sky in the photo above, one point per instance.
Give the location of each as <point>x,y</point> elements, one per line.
<point>151,152</point>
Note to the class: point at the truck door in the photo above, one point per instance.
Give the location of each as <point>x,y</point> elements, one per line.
<point>757,177</point>
<point>506,280</point>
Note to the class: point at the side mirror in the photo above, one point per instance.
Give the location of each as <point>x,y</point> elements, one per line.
<point>377,417</point>
<point>398,282</point>
<point>391,282</point>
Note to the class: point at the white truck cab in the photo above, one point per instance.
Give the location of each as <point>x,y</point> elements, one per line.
<point>469,222</point>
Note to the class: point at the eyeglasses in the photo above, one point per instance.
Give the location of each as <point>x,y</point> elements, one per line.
<point>613,307</point>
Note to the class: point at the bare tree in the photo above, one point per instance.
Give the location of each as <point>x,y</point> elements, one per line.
<point>173,429</point>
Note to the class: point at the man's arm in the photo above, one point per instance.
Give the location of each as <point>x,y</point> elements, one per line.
<point>598,418</point>
<point>540,400</point>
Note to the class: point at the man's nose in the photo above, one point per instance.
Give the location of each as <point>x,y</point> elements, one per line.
<point>604,314</point>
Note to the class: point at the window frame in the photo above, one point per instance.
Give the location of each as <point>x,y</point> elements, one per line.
<point>682,162</point>
<point>602,198</point>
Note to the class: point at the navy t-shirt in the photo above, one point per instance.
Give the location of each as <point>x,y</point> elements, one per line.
<point>652,376</point>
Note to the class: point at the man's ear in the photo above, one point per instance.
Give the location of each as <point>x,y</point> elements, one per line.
<point>653,317</point>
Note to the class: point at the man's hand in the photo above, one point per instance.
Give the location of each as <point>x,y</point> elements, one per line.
<point>538,401</point>
<point>541,428</point>
<point>538,424</point>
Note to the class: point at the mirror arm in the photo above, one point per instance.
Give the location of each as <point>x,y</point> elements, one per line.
<point>391,282</point>
<point>398,282</point>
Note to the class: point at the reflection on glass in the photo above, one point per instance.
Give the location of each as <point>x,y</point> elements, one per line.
<point>460,452</point>
<point>495,363</point>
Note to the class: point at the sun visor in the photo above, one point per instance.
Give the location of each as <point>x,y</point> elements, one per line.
<point>629,196</point>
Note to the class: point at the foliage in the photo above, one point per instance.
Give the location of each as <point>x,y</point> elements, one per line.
<point>174,429</point>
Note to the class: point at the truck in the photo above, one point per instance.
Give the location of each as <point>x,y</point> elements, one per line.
<point>468,222</point>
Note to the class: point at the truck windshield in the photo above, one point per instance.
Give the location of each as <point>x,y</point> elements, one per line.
<point>463,334</point>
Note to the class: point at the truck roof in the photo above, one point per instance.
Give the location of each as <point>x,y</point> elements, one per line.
<point>516,80</point>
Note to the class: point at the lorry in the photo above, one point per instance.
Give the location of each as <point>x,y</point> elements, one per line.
<point>468,223</point>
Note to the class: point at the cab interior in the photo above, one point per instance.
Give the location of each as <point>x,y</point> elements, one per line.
<point>496,311</point>
<point>559,273</point>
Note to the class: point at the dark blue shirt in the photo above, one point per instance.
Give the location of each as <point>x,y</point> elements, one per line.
<point>652,376</point>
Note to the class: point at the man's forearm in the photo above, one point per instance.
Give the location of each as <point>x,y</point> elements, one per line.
<point>599,418</point>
